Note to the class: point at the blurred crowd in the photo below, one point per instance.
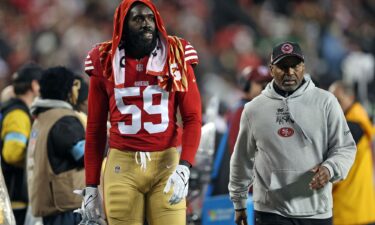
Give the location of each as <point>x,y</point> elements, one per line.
<point>232,38</point>
<point>338,37</point>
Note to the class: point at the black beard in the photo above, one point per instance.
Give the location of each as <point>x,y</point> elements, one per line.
<point>135,44</point>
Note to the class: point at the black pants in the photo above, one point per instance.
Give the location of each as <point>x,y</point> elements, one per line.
<point>65,218</point>
<point>19,215</point>
<point>263,218</point>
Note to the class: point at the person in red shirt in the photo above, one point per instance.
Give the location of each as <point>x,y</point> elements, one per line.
<point>140,78</point>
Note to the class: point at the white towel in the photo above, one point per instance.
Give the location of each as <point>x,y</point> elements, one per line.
<point>155,64</point>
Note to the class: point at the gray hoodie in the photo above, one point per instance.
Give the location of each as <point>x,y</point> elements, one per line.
<point>280,141</point>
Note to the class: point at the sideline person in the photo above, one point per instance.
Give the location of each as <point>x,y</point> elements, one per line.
<point>293,143</point>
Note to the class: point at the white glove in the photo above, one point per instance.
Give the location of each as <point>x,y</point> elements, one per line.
<point>91,208</point>
<point>180,181</point>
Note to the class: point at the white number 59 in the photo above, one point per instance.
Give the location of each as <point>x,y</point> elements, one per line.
<point>148,107</point>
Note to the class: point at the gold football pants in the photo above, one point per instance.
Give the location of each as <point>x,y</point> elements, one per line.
<point>131,193</point>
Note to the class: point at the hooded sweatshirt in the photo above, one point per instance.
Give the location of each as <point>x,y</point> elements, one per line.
<point>280,140</point>
<point>141,96</point>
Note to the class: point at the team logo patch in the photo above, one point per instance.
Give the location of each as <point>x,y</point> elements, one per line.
<point>34,134</point>
<point>287,48</point>
<point>117,169</point>
<point>285,132</point>
<point>139,67</point>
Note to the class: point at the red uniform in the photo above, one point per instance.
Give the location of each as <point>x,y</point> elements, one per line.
<point>141,98</point>
<point>142,114</point>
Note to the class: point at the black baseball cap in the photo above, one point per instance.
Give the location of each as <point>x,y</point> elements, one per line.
<point>286,49</point>
<point>28,73</point>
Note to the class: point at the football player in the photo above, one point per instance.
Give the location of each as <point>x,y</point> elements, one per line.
<point>141,78</point>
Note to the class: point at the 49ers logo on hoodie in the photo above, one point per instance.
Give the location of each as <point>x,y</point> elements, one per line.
<point>285,132</point>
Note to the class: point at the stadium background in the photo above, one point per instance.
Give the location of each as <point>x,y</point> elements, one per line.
<point>337,36</point>
<point>228,34</point>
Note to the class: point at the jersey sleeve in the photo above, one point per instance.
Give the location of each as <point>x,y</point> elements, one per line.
<point>190,107</point>
<point>341,146</point>
<point>15,133</point>
<point>96,131</point>
<point>191,55</point>
<point>92,62</point>
<point>65,134</point>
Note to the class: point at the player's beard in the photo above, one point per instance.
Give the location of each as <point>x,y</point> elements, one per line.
<point>135,42</point>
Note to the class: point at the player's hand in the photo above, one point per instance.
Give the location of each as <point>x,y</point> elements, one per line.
<point>180,182</point>
<point>91,208</point>
<point>240,217</point>
<point>320,178</point>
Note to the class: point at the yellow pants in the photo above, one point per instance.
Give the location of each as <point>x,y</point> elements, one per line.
<point>131,193</point>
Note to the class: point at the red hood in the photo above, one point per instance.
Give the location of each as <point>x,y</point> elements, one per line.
<point>174,50</point>
<point>119,18</point>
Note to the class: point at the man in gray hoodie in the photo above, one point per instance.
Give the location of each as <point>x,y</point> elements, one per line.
<point>293,143</point>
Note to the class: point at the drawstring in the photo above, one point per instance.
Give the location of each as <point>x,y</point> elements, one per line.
<point>143,162</point>
<point>306,138</point>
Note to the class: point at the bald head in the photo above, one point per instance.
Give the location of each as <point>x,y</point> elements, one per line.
<point>7,93</point>
<point>344,94</point>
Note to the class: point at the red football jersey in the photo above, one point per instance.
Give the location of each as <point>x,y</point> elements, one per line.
<point>142,115</point>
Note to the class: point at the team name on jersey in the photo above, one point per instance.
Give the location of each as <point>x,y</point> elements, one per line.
<point>141,83</point>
